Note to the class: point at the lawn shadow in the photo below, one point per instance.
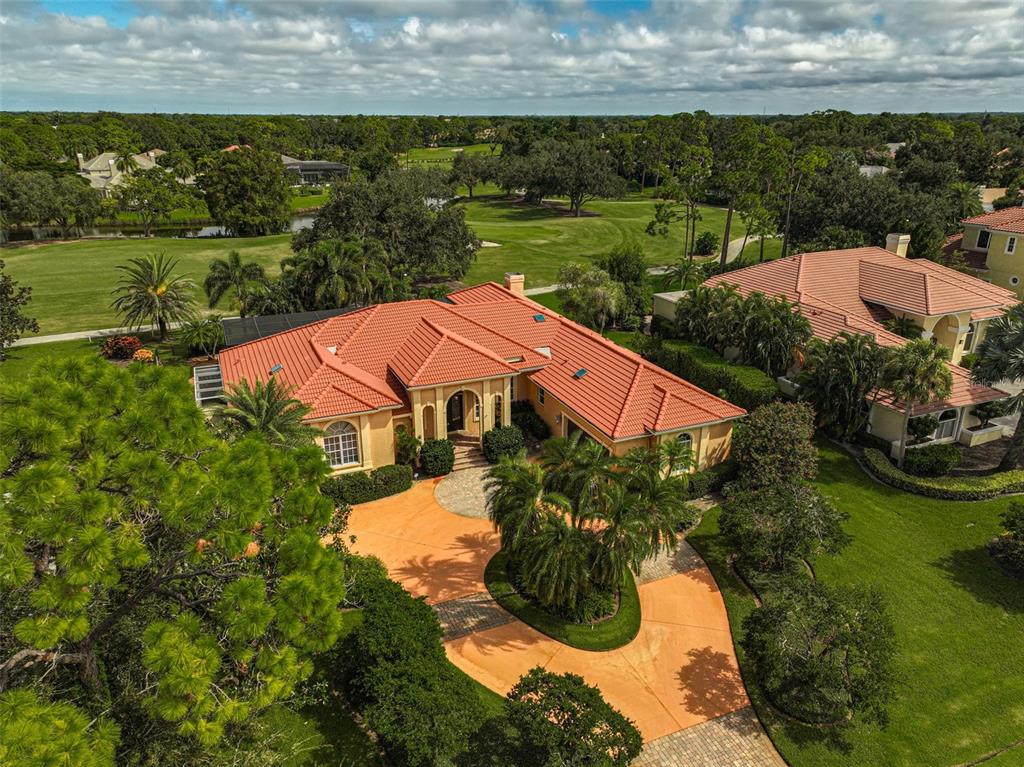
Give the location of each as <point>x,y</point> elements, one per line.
<point>711,683</point>
<point>975,571</point>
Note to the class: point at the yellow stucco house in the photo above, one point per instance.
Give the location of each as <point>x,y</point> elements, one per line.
<point>453,368</point>
<point>993,243</point>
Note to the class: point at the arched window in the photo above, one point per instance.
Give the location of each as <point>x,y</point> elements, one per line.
<point>686,441</point>
<point>341,444</point>
<point>497,411</point>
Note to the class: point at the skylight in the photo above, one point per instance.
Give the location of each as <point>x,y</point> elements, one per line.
<point>277,368</point>
<point>538,318</point>
<point>579,373</point>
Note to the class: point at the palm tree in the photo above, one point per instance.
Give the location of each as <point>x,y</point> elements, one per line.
<point>903,326</point>
<point>555,562</point>
<point>339,272</point>
<point>837,378</point>
<point>578,469</point>
<point>517,500</point>
<point>267,409</point>
<point>125,161</point>
<point>682,273</point>
<point>148,291</point>
<point>966,201</point>
<point>915,374</point>
<point>232,273</point>
<point>1001,358</point>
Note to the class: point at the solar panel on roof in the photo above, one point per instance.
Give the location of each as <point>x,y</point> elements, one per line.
<point>240,330</point>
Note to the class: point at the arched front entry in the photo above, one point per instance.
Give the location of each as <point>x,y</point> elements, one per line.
<point>460,412</point>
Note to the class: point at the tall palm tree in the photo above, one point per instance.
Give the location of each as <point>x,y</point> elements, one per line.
<point>966,201</point>
<point>916,374</point>
<point>837,378</point>
<point>1001,358</point>
<point>579,469</point>
<point>267,409</point>
<point>555,563</point>
<point>517,500</point>
<point>338,272</point>
<point>232,273</point>
<point>125,160</point>
<point>149,291</point>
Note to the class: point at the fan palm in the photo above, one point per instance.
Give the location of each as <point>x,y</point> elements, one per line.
<point>682,273</point>
<point>915,374</point>
<point>1001,358</point>
<point>267,409</point>
<point>232,273</point>
<point>149,291</point>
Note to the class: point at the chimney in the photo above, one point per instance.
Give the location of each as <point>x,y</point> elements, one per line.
<point>110,168</point>
<point>151,155</point>
<point>514,282</point>
<point>81,161</point>
<point>897,243</point>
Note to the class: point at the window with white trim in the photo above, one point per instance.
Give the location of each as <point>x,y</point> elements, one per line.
<point>341,444</point>
<point>686,440</point>
<point>983,237</point>
<point>540,394</point>
<point>1011,245</point>
<point>972,331</point>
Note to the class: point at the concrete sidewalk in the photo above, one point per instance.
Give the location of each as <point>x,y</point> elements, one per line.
<point>82,335</point>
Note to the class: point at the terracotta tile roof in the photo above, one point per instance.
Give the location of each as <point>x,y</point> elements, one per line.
<point>849,290</point>
<point>365,360</point>
<point>1005,220</point>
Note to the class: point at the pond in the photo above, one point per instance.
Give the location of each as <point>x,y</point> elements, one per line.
<point>296,224</point>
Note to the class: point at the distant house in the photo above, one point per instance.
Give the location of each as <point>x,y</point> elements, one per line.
<point>102,173</point>
<point>993,243</point>
<point>315,171</point>
<point>870,171</point>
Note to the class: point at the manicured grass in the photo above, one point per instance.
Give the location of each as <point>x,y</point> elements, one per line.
<point>22,359</point>
<point>72,282</point>
<point>959,625</point>
<point>537,240</point>
<point>442,156</point>
<point>199,213</point>
<point>300,202</point>
<point>617,631</point>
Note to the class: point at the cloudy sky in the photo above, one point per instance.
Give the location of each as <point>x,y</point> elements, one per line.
<point>512,56</point>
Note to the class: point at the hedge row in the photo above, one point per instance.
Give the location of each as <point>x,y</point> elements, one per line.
<point>710,480</point>
<point>742,385</point>
<point>951,488</point>
<point>932,460</point>
<point>364,486</point>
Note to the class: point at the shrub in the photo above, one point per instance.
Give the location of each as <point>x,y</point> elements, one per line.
<point>989,410</point>
<point>773,446</point>
<point>952,488</point>
<point>706,243</point>
<point>864,439</point>
<point>506,440</point>
<point>422,708</point>
<point>710,480</point>
<point>362,576</point>
<point>1008,547</point>
<point>201,336</point>
<point>121,347</point>
<point>437,457</point>
<point>932,460</point>
<point>362,486</point>
<point>526,418</point>
<point>823,654</point>
<point>773,528</point>
<point>144,355</point>
<point>742,385</point>
<point>407,446</point>
<point>922,427</point>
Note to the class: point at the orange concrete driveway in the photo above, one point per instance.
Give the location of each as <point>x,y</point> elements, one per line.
<point>429,550</point>
<point>679,671</point>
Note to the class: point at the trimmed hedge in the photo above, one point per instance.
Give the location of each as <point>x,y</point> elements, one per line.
<point>742,385</point>
<point>437,457</point>
<point>363,486</point>
<point>506,440</point>
<point>526,418</point>
<point>974,488</point>
<point>710,480</point>
<point>932,460</point>
<point>609,634</point>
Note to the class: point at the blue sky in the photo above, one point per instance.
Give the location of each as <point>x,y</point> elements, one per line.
<point>512,56</point>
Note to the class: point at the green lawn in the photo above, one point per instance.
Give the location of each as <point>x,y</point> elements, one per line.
<point>21,359</point>
<point>200,213</point>
<point>959,623</point>
<point>72,282</point>
<point>442,156</point>
<point>536,240</point>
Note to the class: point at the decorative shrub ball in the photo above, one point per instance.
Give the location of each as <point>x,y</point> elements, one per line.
<point>144,355</point>
<point>120,347</point>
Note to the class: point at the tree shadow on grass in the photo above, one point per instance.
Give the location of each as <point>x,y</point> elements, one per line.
<point>975,571</point>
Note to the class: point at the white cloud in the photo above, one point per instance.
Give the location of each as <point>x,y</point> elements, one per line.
<point>500,56</point>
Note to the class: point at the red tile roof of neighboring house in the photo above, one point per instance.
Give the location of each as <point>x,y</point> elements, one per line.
<point>1005,220</point>
<point>365,360</point>
<point>849,290</point>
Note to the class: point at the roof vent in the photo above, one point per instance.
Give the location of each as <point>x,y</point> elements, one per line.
<point>579,373</point>
<point>515,359</point>
<point>332,349</point>
<point>545,350</point>
<point>538,318</point>
<point>277,368</point>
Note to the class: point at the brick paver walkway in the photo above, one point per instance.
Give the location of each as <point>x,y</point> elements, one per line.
<point>666,564</point>
<point>477,612</point>
<point>735,739</point>
<point>462,492</point>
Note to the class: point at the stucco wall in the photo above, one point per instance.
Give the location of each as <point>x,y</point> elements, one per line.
<point>1002,267</point>
<point>376,440</point>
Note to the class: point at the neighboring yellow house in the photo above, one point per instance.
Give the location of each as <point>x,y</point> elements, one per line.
<point>453,368</point>
<point>994,244</point>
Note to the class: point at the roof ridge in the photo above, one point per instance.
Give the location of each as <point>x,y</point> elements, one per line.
<point>361,376</point>
<point>629,396</point>
<point>433,349</point>
<point>454,309</point>
<point>669,395</point>
<point>463,341</point>
<point>370,311</point>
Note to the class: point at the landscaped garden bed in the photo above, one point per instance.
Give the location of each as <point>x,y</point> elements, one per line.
<point>607,633</point>
<point>952,488</point>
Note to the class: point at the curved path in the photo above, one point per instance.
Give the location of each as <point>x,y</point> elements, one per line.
<point>678,680</point>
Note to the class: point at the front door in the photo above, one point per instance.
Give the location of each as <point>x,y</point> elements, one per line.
<point>456,419</point>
